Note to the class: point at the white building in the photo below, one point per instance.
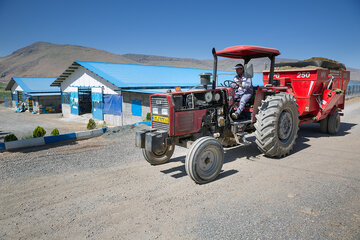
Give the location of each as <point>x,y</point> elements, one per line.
<point>119,93</point>
<point>35,91</point>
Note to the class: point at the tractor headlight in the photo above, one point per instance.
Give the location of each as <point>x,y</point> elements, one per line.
<point>164,111</point>
<point>155,110</point>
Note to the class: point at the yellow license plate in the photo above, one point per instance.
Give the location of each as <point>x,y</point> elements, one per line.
<point>161,119</point>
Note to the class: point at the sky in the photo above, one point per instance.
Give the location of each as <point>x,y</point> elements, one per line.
<point>187,29</point>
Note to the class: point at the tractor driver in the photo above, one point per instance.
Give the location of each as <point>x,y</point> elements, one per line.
<point>243,89</point>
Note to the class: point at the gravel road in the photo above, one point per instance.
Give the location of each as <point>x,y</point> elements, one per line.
<point>102,188</point>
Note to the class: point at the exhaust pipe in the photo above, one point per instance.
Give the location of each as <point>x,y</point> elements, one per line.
<point>214,69</point>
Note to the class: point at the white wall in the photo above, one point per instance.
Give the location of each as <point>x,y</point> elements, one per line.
<point>127,106</point>
<point>82,77</point>
<point>15,88</point>
<point>112,120</point>
<point>65,109</point>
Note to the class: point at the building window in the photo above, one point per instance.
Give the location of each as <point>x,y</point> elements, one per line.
<point>136,107</point>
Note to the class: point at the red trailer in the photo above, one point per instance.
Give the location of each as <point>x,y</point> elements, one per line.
<point>316,90</point>
<point>200,119</point>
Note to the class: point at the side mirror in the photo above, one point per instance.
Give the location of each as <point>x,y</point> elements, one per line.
<point>249,71</point>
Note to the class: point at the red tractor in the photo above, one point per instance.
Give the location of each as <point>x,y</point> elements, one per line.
<point>200,119</point>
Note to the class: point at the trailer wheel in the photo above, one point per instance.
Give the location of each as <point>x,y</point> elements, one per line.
<point>277,125</point>
<point>156,158</point>
<point>324,125</point>
<point>333,123</point>
<point>204,160</point>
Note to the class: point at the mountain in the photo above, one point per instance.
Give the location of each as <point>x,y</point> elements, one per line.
<point>43,59</point>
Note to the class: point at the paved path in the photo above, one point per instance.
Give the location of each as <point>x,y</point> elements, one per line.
<point>23,124</point>
<point>103,189</point>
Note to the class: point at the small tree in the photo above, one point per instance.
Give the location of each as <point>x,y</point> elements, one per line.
<point>91,124</point>
<point>54,132</point>
<point>39,132</point>
<point>10,137</point>
<point>148,116</point>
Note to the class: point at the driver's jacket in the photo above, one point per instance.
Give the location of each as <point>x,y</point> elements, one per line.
<point>246,83</point>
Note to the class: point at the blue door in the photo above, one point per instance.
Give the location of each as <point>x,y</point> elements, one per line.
<point>74,103</point>
<point>136,107</point>
<point>97,104</point>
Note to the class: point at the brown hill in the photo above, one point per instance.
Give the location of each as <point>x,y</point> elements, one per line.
<point>43,59</point>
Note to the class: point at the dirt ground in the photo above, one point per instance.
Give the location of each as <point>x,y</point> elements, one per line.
<point>102,188</point>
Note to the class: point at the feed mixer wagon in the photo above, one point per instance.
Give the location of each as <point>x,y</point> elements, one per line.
<point>200,118</point>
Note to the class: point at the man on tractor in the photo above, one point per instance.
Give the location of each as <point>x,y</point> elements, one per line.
<point>243,90</point>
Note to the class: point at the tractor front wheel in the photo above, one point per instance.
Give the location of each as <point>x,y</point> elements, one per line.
<point>161,157</point>
<point>204,160</point>
<point>277,124</point>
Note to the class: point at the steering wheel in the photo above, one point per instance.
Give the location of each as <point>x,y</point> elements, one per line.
<point>228,83</point>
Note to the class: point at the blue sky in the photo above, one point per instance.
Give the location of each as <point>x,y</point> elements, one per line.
<point>299,29</point>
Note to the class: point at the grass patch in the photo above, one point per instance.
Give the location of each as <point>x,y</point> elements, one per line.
<point>29,136</point>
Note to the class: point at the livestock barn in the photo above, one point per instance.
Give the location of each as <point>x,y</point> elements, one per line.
<point>118,93</point>
<point>36,92</point>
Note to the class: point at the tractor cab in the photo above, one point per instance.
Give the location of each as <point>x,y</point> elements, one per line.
<point>246,53</point>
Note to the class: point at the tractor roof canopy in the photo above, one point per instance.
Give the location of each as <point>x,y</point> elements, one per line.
<point>247,52</point>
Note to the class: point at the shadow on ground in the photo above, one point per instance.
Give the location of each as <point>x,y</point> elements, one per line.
<point>312,130</point>
<point>251,152</point>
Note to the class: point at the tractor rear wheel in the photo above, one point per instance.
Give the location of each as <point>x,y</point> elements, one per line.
<point>277,125</point>
<point>333,123</point>
<point>324,125</point>
<point>204,160</point>
<point>161,157</point>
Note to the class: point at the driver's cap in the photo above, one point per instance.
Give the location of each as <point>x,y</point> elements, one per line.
<point>239,66</point>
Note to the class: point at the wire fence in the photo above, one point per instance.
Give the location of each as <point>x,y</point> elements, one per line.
<point>5,97</point>
<point>352,91</point>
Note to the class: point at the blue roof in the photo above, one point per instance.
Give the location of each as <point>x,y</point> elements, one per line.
<point>34,84</point>
<point>257,81</point>
<point>140,76</point>
<point>136,76</point>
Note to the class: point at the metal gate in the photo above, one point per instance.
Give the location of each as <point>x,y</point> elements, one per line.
<point>97,103</point>
<point>74,103</point>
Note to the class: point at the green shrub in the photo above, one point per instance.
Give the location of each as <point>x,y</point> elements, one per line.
<point>39,132</point>
<point>10,137</point>
<point>54,132</point>
<point>29,136</point>
<point>148,116</point>
<point>91,124</point>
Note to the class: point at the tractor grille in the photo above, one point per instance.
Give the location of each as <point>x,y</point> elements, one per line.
<point>160,103</point>
<point>161,126</point>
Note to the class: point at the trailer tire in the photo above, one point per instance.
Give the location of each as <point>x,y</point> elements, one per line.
<point>277,124</point>
<point>159,157</point>
<point>333,123</point>
<point>204,160</point>
<point>324,125</point>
